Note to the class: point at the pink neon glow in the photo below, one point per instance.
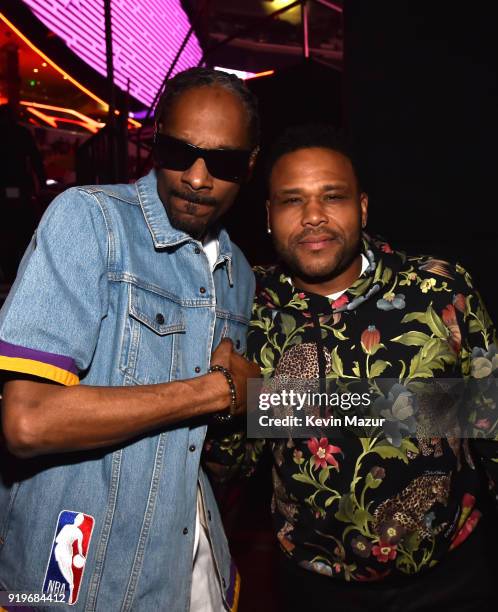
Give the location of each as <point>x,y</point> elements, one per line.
<point>146,38</point>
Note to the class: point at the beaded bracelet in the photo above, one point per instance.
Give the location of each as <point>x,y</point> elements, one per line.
<point>225,417</point>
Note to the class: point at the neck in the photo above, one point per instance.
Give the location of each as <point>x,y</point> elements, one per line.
<point>342,281</point>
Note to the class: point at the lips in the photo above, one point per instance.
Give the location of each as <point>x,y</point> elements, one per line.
<point>316,243</point>
<point>192,198</point>
<point>311,239</point>
<point>187,207</point>
<point>190,202</point>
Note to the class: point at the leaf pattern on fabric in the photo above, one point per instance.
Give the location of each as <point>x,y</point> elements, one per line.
<point>365,508</point>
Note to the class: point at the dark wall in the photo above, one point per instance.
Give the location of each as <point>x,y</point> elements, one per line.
<point>420,101</point>
<point>306,92</point>
<point>419,97</point>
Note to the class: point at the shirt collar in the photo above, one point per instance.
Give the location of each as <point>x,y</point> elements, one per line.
<point>163,234</point>
<point>364,265</point>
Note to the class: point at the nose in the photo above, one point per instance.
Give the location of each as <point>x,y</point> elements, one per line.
<point>197,177</point>
<point>313,213</point>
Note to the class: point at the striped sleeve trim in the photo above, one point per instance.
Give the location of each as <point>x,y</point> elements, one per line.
<point>233,590</point>
<point>57,368</point>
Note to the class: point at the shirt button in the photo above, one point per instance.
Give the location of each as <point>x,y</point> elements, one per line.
<point>191,448</point>
<point>223,583</point>
<point>202,289</point>
<point>209,514</point>
<point>159,318</point>
<point>197,369</point>
<point>237,344</point>
<point>185,531</point>
<point>197,250</point>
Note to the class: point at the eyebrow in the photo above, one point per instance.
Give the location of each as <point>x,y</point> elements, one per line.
<point>327,187</point>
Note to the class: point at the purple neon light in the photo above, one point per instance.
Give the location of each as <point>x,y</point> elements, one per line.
<point>146,38</point>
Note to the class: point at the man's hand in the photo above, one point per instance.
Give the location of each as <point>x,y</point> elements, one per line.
<point>240,368</point>
<point>40,418</point>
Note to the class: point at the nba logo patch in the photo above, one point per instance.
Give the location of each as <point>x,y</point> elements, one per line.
<point>68,555</point>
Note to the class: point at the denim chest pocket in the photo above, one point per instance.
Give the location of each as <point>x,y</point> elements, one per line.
<point>152,337</point>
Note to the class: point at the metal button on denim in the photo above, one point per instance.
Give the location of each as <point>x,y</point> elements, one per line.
<point>185,531</point>
<point>197,369</point>
<point>159,318</point>
<point>202,289</point>
<point>192,448</point>
<point>197,250</point>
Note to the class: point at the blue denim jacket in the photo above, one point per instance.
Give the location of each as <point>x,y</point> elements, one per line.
<point>108,293</point>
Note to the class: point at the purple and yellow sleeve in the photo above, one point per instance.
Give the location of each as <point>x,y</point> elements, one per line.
<point>57,368</point>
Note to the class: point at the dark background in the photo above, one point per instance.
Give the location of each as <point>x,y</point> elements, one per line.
<point>417,95</point>
<point>418,98</point>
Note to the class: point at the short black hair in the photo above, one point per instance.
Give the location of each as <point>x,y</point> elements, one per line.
<point>202,77</point>
<point>309,136</point>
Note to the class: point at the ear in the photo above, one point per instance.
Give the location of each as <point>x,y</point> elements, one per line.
<point>364,209</point>
<point>252,161</point>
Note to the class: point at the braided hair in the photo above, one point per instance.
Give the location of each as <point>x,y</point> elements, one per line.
<point>205,77</point>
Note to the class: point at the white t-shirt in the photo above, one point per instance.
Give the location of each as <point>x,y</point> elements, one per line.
<point>337,294</point>
<point>205,595</point>
<point>364,266</point>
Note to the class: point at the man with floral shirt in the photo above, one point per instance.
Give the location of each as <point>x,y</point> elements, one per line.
<point>367,523</point>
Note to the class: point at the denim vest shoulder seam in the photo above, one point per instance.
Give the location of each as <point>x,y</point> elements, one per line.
<point>93,189</point>
<point>111,246</point>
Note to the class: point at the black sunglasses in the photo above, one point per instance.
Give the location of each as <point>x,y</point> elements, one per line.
<point>225,164</point>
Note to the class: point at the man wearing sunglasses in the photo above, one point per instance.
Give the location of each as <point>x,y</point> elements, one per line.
<point>106,343</point>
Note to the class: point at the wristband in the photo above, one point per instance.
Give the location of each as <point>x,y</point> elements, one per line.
<point>224,417</point>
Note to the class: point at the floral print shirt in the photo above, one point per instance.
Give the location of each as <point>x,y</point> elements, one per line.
<point>357,508</point>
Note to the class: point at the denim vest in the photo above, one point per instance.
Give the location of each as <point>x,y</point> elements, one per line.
<point>108,293</point>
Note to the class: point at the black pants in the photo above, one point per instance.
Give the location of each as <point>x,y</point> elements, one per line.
<point>463,582</point>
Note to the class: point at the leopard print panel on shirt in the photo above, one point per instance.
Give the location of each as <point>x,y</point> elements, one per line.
<point>301,361</point>
<point>410,507</point>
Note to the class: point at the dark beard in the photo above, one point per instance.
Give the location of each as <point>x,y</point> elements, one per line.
<point>193,226</point>
<point>344,258</point>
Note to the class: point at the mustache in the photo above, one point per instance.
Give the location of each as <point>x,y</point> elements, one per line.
<point>306,233</point>
<point>193,197</point>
